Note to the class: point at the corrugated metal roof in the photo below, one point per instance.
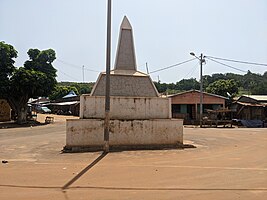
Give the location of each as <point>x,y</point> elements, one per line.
<point>250,104</point>
<point>65,103</point>
<point>181,93</point>
<point>257,97</point>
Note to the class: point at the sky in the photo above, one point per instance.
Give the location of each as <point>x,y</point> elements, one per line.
<point>165,32</point>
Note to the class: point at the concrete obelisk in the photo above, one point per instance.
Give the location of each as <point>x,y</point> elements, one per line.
<point>139,118</point>
<point>125,80</point>
<point>125,57</point>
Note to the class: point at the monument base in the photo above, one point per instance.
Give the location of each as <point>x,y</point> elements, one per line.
<point>88,134</point>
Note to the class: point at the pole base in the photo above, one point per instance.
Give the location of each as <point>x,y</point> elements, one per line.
<point>106,146</point>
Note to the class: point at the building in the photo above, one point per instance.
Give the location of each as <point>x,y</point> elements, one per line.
<point>186,105</point>
<point>252,107</point>
<point>67,105</point>
<point>5,111</point>
<point>256,98</point>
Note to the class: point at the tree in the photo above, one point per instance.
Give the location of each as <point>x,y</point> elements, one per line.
<point>83,88</point>
<point>260,88</point>
<point>36,78</point>
<point>223,87</point>
<point>63,88</point>
<point>161,87</point>
<point>183,85</point>
<point>61,91</point>
<point>187,84</point>
<point>7,56</point>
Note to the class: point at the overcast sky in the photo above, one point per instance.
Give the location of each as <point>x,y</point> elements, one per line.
<point>165,32</point>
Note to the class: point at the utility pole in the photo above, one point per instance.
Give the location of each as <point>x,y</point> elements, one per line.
<point>202,60</point>
<point>147,68</point>
<point>201,92</point>
<point>107,95</point>
<point>83,73</point>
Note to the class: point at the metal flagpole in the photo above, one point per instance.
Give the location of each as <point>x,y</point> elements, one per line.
<point>107,96</point>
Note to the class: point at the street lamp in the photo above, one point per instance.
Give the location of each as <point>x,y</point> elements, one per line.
<point>202,60</point>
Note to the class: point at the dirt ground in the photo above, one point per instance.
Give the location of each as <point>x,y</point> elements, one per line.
<point>227,163</point>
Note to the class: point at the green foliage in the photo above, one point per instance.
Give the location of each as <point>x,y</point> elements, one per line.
<point>36,78</point>
<point>170,91</point>
<point>7,56</point>
<point>207,79</point>
<point>250,83</point>
<point>222,87</point>
<point>183,85</point>
<point>161,87</point>
<point>61,91</point>
<point>7,68</point>
<point>28,82</point>
<point>260,88</point>
<point>63,88</point>
<point>41,61</point>
<point>187,84</point>
<point>83,88</point>
<point>33,53</point>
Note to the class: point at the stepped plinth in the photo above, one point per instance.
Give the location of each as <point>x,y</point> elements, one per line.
<point>139,118</point>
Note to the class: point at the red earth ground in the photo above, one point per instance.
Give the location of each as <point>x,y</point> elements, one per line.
<point>227,163</point>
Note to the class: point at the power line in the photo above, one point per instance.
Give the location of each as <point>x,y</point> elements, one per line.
<point>141,65</point>
<point>91,70</point>
<point>67,75</point>
<point>69,64</point>
<point>171,66</point>
<point>237,61</point>
<point>226,65</point>
<point>191,71</point>
<point>76,66</point>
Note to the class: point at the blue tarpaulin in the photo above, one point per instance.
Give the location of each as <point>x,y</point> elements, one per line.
<point>252,123</point>
<point>71,94</point>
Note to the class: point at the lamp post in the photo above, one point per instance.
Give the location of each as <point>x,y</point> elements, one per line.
<point>107,95</point>
<point>202,60</point>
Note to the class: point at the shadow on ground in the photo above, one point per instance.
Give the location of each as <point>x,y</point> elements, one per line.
<point>13,124</point>
<point>84,170</point>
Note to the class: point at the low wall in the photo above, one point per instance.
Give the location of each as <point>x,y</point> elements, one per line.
<point>93,107</point>
<point>89,133</point>
<point>5,111</point>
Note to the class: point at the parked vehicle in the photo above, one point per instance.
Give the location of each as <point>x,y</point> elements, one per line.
<point>43,109</point>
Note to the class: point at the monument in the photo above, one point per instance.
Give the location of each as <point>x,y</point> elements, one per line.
<point>139,118</point>
<point>125,79</point>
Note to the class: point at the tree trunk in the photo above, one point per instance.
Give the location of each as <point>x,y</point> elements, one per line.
<point>22,114</point>
<point>20,107</point>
